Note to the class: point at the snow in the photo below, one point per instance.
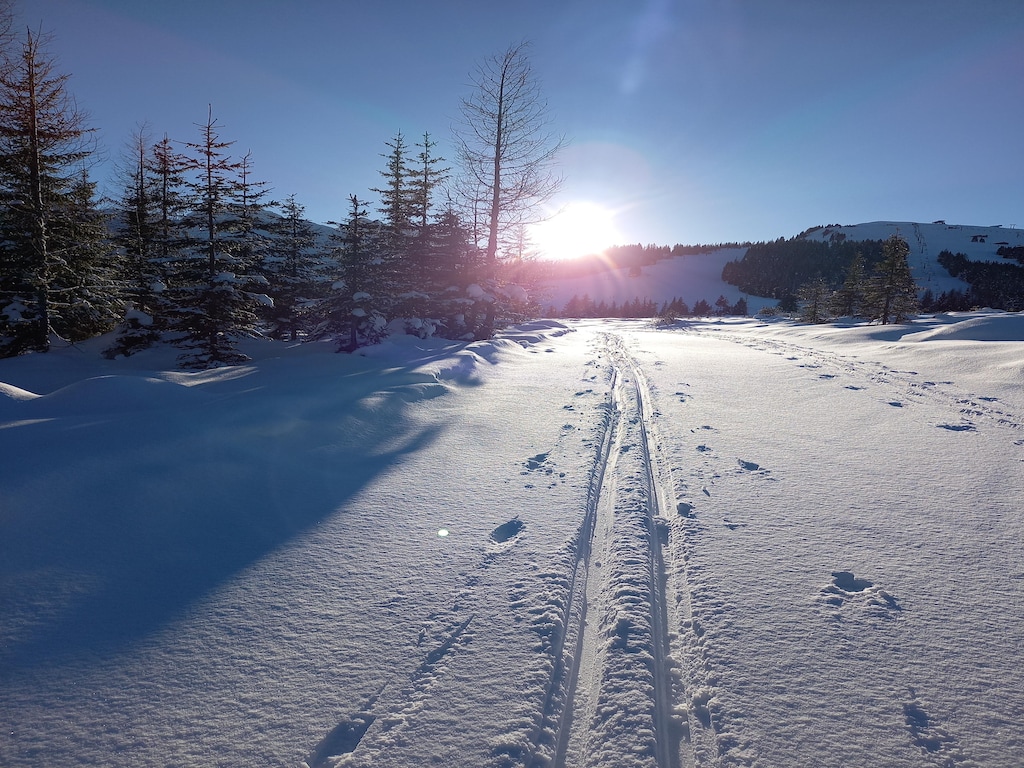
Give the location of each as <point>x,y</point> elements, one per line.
<point>142,318</point>
<point>729,542</point>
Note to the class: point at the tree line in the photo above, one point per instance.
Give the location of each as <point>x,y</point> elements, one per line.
<point>192,252</point>
<point>779,268</point>
<point>585,306</point>
<point>885,292</point>
<point>991,284</point>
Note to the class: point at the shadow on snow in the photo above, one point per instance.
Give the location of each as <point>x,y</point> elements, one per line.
<point>112,523</point>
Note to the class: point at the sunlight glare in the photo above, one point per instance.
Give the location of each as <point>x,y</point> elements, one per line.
<point>580,229</point>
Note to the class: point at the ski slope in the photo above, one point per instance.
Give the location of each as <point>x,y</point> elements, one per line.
<point>602,543</point>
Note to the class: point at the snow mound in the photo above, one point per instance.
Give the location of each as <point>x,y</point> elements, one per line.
<point>11,392</point>
<point>11,398</point>
<point>1001,327</point>
<point>461,368</point>
<point>117,393</point>
<point>536,332</point>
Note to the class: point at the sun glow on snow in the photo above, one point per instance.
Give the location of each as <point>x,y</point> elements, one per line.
<point>579,229</point>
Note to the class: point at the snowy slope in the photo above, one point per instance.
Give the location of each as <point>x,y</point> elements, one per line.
<point>691,278</point>
<point>599,544</point>
<point>700,276</point>
<point>927,241</point>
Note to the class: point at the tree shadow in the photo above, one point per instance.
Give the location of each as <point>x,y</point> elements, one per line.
<point>114,521</point>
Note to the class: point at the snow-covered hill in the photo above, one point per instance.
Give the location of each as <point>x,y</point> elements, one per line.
<point>696,277</point>
<point>927,241</point>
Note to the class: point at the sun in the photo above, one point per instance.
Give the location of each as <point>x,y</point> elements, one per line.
<point>579,229</point>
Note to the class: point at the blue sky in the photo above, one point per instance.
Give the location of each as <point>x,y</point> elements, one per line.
<point>692,121</point>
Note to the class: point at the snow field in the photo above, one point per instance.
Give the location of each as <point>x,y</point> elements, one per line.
<point>727,543</point>
<point>832,483</point>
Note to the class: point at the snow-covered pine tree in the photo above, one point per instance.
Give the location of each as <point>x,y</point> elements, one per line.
<point>139,232</point>
<point>50,234</point>
<point>86,285</point>
<point>396,235</point>
<point>892,292</point>
<point>289,269</point>
<point>416,263</point>
<point>357,307</point>
<point>215,294</point>
<point>429,264</point>
<point>454,265</point>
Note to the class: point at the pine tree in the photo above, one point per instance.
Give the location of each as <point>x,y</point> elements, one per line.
<point>357,306</point>
<point>50,233</point>
<point>87,290</point>
<point>702,308</point>
<point>167,170</point>
<point>453,269</point>
<point>151,223</point>
<point>848,301</point>
<point>289,269</point>
<point>426,176</point>
<point>815,297</point>
<point>892,292</point>
<point>427,271</point>
<point>135,232</point>
<point>213,302</point>
<point>395,195</point>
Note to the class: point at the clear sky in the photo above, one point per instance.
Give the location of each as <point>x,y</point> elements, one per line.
<point>690,121</point>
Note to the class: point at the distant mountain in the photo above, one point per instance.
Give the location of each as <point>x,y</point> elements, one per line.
<point>699,276</point>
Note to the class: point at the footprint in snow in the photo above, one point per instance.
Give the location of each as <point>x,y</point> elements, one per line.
<point>507,531</point>
<point>958,427</point>
<point>929,735</point>
<point>847,588</point>
<point>750,466</point>
<point>685,509</point>
<point>536,462</point>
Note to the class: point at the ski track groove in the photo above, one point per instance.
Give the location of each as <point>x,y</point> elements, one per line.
<point>620,675</point>
<point>556,715</point>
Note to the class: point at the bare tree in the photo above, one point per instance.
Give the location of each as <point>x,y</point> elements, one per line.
<point>505,146</point>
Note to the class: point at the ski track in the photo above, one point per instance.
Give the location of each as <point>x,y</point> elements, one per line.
<point>630,679</point>
<point>900,388</point>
